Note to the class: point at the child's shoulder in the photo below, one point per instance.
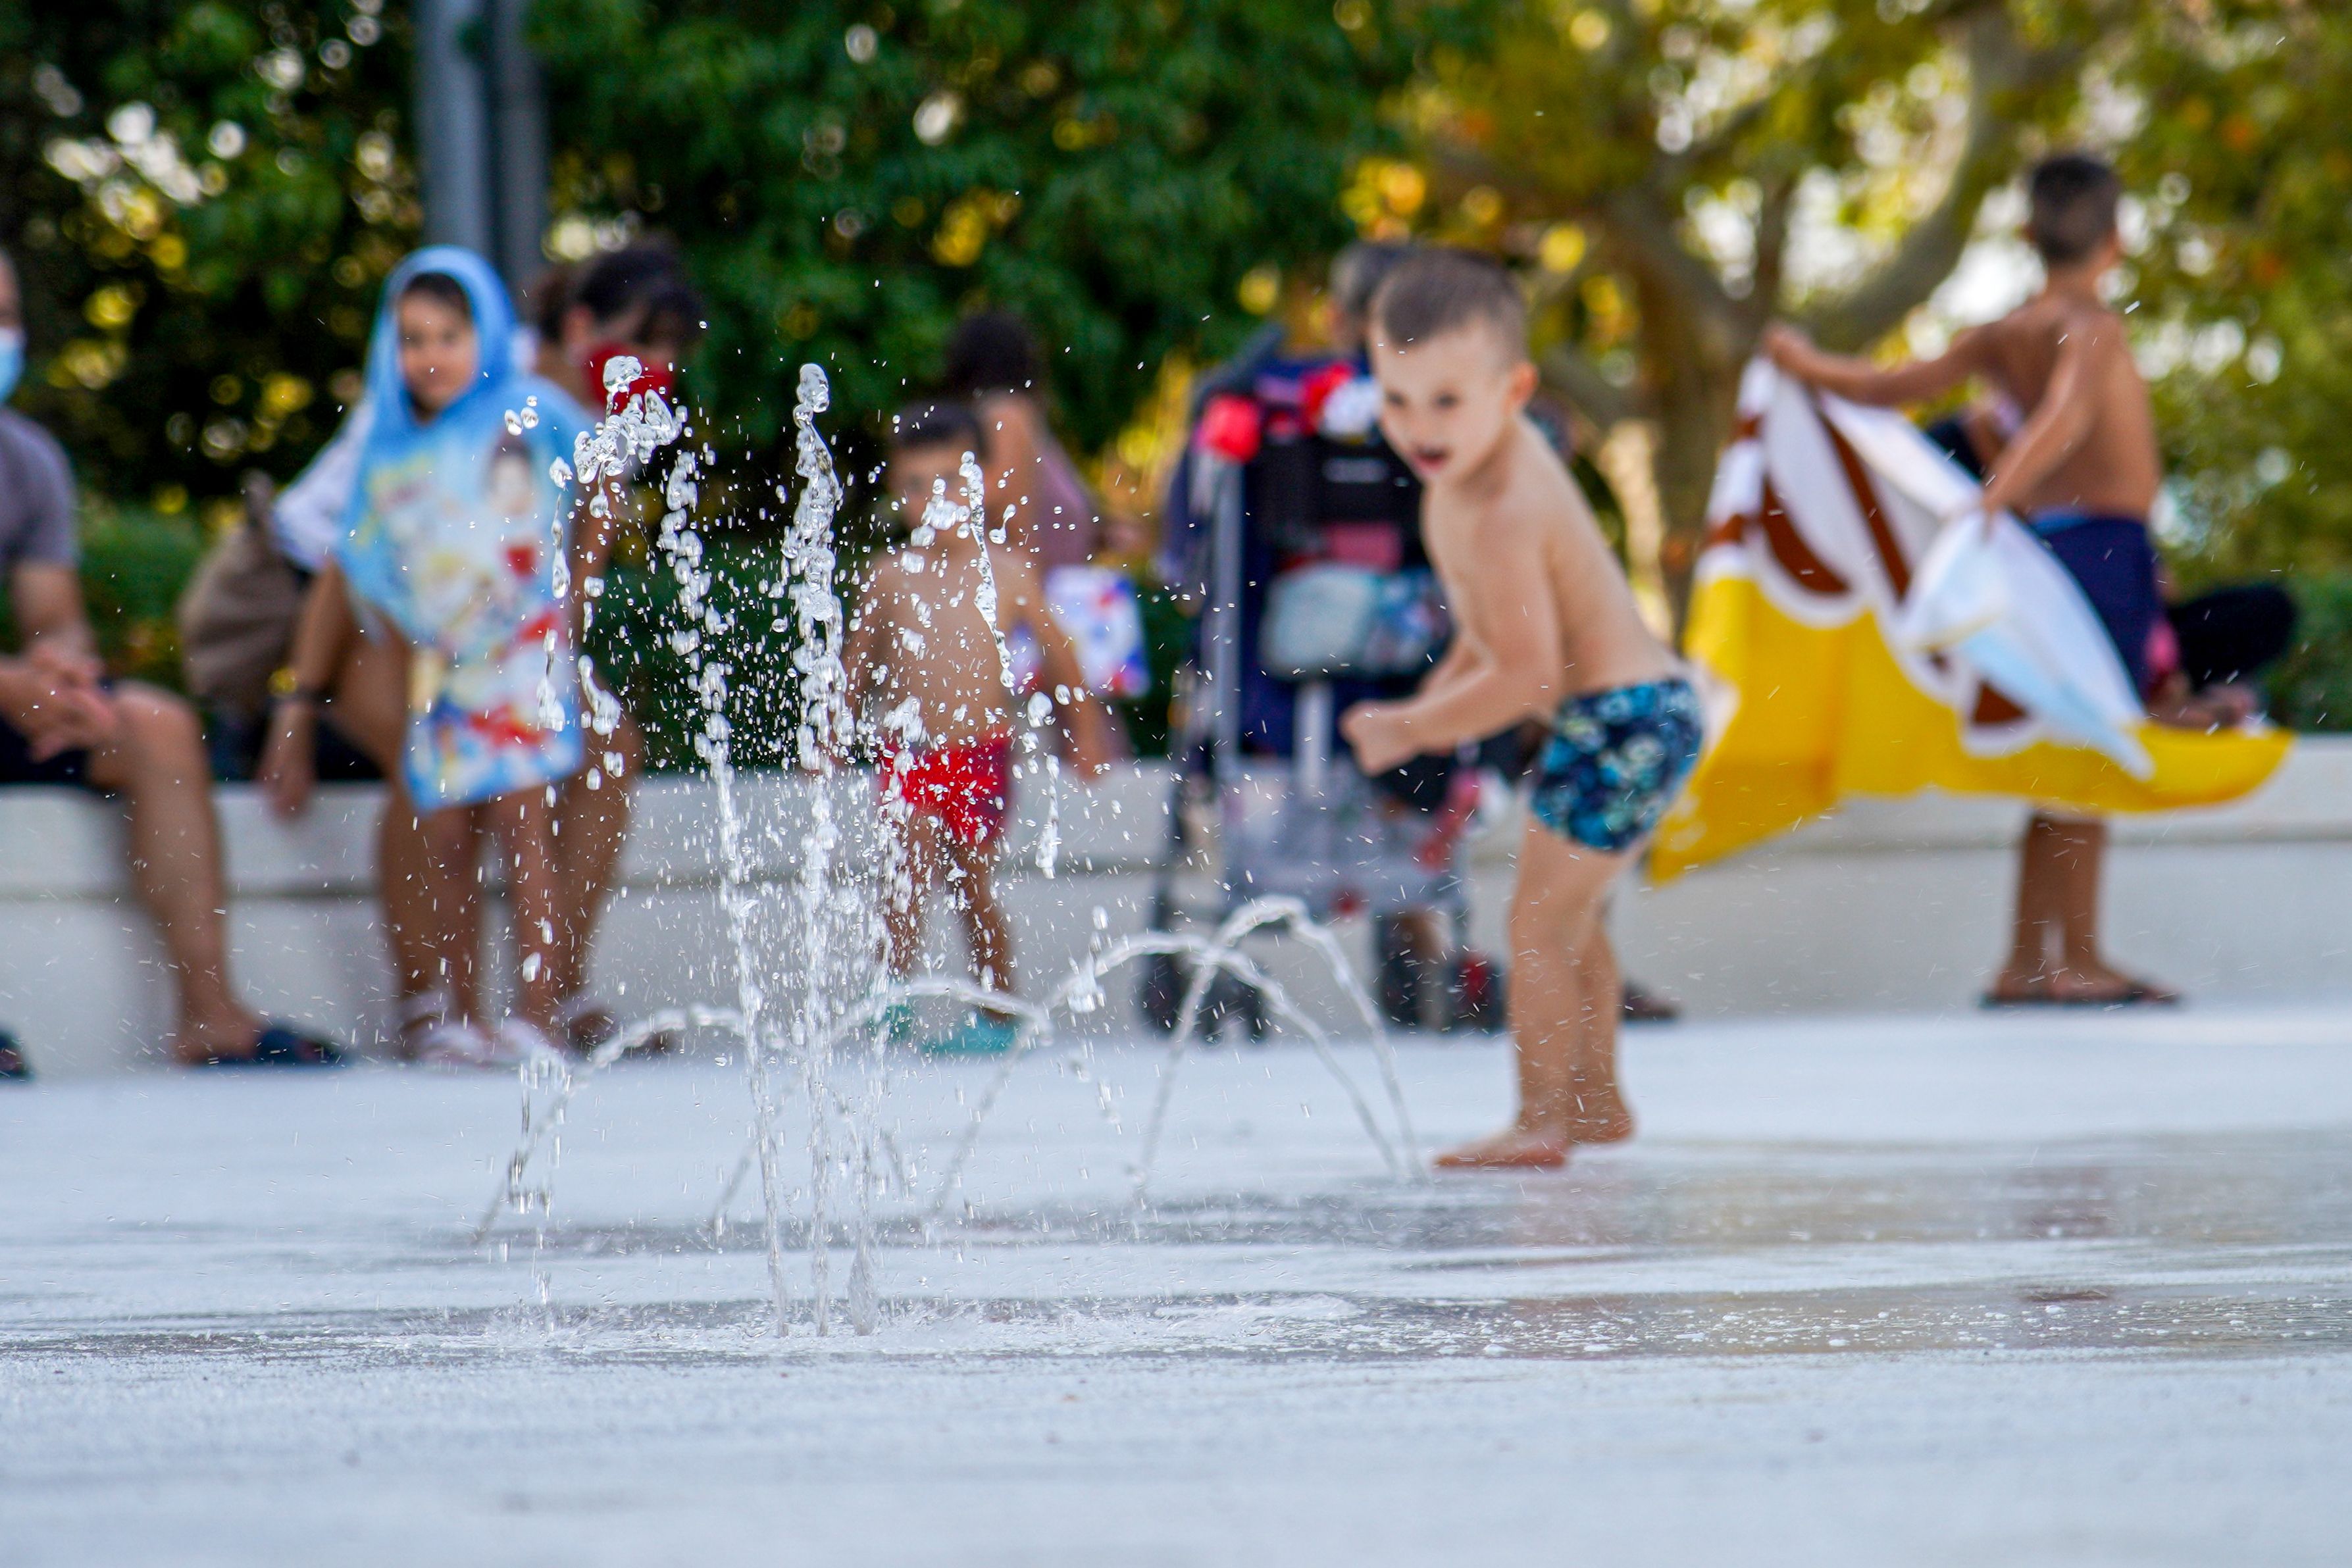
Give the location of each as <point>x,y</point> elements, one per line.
<point>558,412</point>
<point>1542,493</point>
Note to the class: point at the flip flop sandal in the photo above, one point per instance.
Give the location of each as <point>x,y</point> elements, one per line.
<point>13,1069</point>
<point>2135,995</point>
<point>456,1045</point>
<point>283,1045</point>
<point>588,1024</point>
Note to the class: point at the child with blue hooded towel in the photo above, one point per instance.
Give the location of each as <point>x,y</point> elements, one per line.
<point>460,546</point>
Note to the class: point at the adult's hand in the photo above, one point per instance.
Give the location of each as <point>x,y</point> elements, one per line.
<point>52,697</point>
<point>288,773</point>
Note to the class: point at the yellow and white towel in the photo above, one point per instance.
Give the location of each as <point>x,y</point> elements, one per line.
<point>1829,672</point>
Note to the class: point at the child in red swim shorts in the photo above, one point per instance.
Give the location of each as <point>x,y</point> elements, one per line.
<point>924,662</point>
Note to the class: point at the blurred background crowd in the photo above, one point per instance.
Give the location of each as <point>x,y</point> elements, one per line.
<point>204,197</point>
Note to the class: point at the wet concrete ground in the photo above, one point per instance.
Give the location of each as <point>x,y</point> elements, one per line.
<point>2071,1290</point>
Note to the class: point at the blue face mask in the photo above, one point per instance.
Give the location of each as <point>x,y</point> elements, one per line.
<point>12,359</point>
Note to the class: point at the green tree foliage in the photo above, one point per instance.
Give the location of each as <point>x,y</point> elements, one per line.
<point>1674,173</point>
<point>202,196</point>
<point>2243,289</point>
<point>847,177</point>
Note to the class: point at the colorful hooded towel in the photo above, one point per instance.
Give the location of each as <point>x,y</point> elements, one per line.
<point>455,535</point>
<point>1832,667</point>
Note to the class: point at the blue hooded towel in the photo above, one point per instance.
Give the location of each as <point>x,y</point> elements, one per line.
<point>456,531</point>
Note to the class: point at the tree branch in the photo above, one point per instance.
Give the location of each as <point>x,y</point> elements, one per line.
<point>2000,69</point>
<point>1638,220</point>
<point>1593,394</point>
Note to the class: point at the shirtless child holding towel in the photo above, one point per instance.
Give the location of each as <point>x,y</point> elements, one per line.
<point>1544,627</point>
<point>2082,472</point>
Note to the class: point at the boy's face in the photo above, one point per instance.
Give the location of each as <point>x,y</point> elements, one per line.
<point>438,352</point>
<point>1448,401</point>
<point>913,470</point>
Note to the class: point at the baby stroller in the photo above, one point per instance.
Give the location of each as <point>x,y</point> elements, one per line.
<point>1305,556</point>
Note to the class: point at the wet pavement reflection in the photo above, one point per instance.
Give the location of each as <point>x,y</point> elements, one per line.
<point>2211,1246</point>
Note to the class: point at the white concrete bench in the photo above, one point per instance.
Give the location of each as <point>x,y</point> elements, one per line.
<point>84,986</point>
<point>1894,905</point>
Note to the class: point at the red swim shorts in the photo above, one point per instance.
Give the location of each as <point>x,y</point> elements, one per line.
<point>966,784</point>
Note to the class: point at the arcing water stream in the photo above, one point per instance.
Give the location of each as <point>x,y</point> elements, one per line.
<point>826,1022</point>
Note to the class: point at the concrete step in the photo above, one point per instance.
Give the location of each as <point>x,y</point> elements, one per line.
<point>1888,904</point>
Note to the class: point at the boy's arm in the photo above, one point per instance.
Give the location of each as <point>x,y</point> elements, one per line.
<point>588,545</point>
<point>2059,422</point>
<point>1453,665</point>
<point>1513,665</point>
<point>867,623</point>
<point>1859,380</point>
<point>1058,661</point>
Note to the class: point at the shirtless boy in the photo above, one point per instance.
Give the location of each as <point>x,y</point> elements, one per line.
<point>2083,471</point>
<point>1544,627</point>
<point>922,659</point>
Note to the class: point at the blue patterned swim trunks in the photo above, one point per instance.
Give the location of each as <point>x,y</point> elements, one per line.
<point>1616,760</point>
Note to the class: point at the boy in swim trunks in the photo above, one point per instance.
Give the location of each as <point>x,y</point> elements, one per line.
<point>923,658</point>
<point>1544,627</point>
<point>2083,471</point>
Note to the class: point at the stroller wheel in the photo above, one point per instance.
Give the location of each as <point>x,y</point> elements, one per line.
<point>1400,973</point>
<point>1474,998</point>
<point>1160,996</point>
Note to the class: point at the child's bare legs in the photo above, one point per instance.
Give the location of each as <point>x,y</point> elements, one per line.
<point>1564,1001</point>
<point>593,829</point>
<point>904,887</point>
<point>524,825</point>
<point>2055,951</point>
<point>972,879</point>
<point>432,900</point>
<point>445,898</point>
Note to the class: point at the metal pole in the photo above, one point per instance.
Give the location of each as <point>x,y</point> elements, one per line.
<point>519,155</point>
<point>452,125</point>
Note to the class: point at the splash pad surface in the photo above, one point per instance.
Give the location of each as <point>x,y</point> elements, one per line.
<point>2004,1290</point>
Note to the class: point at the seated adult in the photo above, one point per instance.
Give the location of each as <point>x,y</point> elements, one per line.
<point>62,722</point>
<point>637,303</point>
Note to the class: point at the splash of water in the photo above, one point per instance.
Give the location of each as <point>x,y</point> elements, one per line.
<point>843,996</point>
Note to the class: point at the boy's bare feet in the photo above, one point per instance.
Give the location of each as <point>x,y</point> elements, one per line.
<point>2073,987</point>
<point>224,1032</point>
<point>1514,1148</point>
<point>1598,1114</point>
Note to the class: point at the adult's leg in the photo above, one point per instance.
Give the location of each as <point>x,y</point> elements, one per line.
<point>592,827</point>
<point>1563,1005</point>
<point>157,763</point>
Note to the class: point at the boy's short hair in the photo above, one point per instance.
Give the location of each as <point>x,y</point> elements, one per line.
<point>992,352</point>
<point>442,289</point>
<point>2073,197</point>
<point>646,280</point>
<point>1441,290</point>
<point>920,424</point>
<point>1360,269</point>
